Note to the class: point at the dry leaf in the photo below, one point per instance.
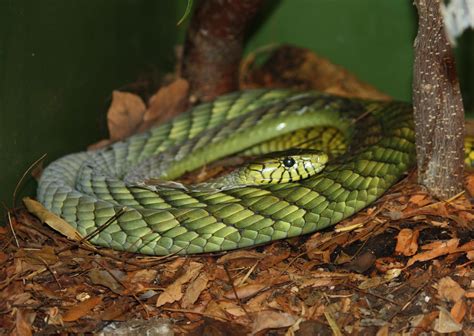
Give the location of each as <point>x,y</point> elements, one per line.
<point>143,275</point>
<point>245,291</point>
<point>104,278</point>
<point>194,289</point>
<point>459,311</point>
<point>438,249</point>
<point>423,322</point>
<point>449,290</point>
<point>470,184</point>
<point>269,319</point>
<point>305,71</point>
<point>445,323</point>
<point>52,220</point>
<point>125,114</point>
<point>81,309</point>
<point>115,311</point>
<point>419,200</point>
<point>23,323</point>
<point>407,242</point>
<point>168,102</point>
<point>240,254</point>
<point>174,291</point>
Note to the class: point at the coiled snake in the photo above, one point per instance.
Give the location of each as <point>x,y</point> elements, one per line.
<point>87,189</point>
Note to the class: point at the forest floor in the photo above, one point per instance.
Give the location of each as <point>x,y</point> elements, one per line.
<point>401,266</point>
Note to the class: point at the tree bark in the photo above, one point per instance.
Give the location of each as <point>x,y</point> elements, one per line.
<point>438,108</point>
<point>214,45</point>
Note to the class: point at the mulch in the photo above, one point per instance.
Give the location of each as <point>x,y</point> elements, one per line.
<point>401,265</point>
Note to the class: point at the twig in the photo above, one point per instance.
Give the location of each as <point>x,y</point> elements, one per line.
<point>369,293</point>
<point>12,229</point>
<point>20,182</point>
<point>50,271</point>
<point>189,311</point>
<point>410,300</point>
<point>235,292</point>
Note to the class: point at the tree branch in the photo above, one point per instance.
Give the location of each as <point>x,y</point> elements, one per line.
<point>214,45</point>
<point>438,108</point>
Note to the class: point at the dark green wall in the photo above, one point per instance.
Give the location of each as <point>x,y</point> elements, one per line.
<point>372,38</point>
<point>60,61</point>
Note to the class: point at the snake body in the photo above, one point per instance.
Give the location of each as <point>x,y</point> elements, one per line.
<point>88,189</point>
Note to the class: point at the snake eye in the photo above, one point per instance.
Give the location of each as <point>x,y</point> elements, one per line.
<point>288,162</point>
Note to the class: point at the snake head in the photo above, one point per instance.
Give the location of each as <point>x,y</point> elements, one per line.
<point>284,167</point>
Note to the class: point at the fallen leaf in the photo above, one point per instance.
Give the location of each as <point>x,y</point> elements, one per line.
<point>388,263</point>
<point>81,309</point>
<point>362,262</point>
<point>459,311</point>
<point>470,184</point>
<point>439,249</point>
<point>194,289</point>
<point>407,242</point>
<point>269,319</point>
<point>240,254</point>
<point>445,323</point>
<point>245,291</point>
<point>23,323</point>
<point>143,275</point>
<point>104,278</point>
<point>168,102</point>
<point>125,114</point>
<point>306,71</point>
<point>174,291</point>
<point>419,200</point>
<point>52,220</point>
<point>115,311</point>
<point>423,322</point>
<point>449,290</point>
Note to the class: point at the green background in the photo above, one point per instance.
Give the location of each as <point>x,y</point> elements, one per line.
<point>61,59</point>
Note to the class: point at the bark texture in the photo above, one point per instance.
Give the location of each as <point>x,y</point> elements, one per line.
<point>214,45</point>
<point>438,108</point>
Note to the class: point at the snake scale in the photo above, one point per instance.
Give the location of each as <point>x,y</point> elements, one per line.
<point>94,191</point>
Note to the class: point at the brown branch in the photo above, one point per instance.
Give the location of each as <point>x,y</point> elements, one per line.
<point>438,108</point>
<point>214,45</point>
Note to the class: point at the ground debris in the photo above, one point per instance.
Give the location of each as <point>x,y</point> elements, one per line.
<point>383,275</point>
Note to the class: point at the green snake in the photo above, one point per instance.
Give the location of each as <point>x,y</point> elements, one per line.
<point>103,193</point>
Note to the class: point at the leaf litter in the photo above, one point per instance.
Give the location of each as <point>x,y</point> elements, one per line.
<point>403,265</point>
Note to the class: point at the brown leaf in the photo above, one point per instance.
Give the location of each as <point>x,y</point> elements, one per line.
<point>115,311</point>
<point>438,249</point>
<point>104,278</point>
<point>423,322</point>
<point>125,114</point>
<point>52,220</point>
<point>269,319</point>
<point>240,254</point>
<point>470,184</point>
<point>23,323</point>
<point>305,71</point>
<point>448,289</point>
<point>168,102</point>
<point>245,291</point>
<point>419,200</point>
<point>81,309</point>
<point>143,275</point>
<point>174,291</point>
<point>459,311</point>
<point>407,242</point>
<point>445,323</point>
<point>194,289</point>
